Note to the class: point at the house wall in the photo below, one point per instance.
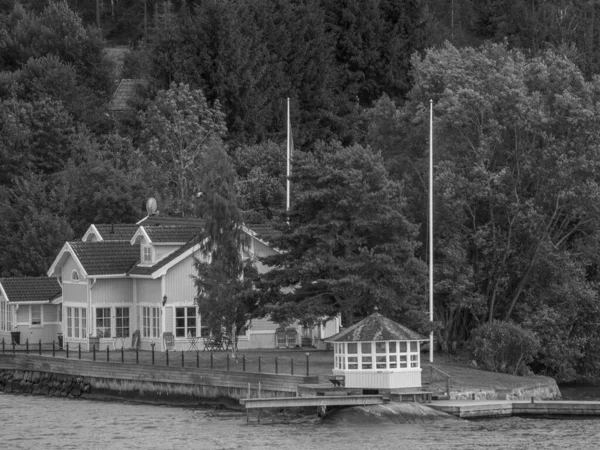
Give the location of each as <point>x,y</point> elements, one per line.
<point>160,251</point>
<point>73,292</point>
<point>113,291</point>
<point>383,379</point>
<point>179,284</point>
<point>47,331</point>
<point>148,291</point>
<point>67,270</point>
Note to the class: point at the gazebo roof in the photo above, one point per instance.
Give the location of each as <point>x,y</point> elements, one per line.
<point>376,328</point>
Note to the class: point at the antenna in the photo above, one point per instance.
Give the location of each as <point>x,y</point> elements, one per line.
<point>151,206</point>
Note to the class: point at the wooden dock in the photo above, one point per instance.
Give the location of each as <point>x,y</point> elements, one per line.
<point>475,409</point>
<point>300,402</point>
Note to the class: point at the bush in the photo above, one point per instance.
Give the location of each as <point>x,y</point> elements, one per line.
<point>504,347</point>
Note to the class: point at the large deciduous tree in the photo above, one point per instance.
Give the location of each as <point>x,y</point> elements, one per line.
<point>178,128</point>
<point>348,246</point>
<point>516,191</point>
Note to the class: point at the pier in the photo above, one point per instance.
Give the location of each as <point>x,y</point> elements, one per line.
<point>476,409</point>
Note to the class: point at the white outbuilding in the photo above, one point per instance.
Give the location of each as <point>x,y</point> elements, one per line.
<point>378,353</point>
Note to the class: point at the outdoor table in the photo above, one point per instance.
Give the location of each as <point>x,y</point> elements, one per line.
<point>193,343</point>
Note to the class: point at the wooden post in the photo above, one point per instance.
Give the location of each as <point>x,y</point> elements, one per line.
<point>67,354</point>
<point>243,363</point>
<point>93,351</point>
<point>292,362</point>
<point>53,349</point>
<point>40,347</point>
<point>27,347</point>
<point>248,392</point>
<point>2,345</point>
<point>227,361</point>
<point>259,371</point>
<point>259,389</point>
<point>152,345</point>
<point>307,363</point>
<point>122,354</point>
<point>167,355</point>
<point>276,365</point>
<point>182,359</point>
<point>211,360</point>
<point>107,354</point>
<point>79,351</point>
<point>137,356</point>
<point>197,359</point>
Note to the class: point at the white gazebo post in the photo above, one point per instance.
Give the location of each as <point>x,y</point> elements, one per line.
<point>378,353</point>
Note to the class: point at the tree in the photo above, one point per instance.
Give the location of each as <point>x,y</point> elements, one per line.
<point>223,290</point>
<point>260,185</point>
<point>516,185</point>
<point>348,246</point>
<point>177,129</point>
<point>32,229</point>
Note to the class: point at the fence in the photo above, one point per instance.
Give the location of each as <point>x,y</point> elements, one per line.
<point>199,359</point>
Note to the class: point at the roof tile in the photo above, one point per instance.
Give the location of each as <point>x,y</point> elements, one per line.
<point>31,289</point>
<point>376,328</point>
<point>106,258</point>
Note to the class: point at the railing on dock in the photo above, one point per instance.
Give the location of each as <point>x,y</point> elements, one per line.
<point>439,380</point>
<point>299,364</point>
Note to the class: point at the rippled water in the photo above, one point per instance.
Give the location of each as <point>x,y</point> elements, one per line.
<point>28,422</point>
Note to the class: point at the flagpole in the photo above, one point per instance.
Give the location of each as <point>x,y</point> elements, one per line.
<point>431,226</point>
<point>287,204</point>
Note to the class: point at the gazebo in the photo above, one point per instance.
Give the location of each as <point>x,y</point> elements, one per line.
<point>378,353</point>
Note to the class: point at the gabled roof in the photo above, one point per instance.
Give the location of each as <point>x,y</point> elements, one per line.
<point>264,231</point>
<point>172,221</point>
<point>105,258</point>
<point>172,234</point>
<point>376,328</point>
<point>116,232</point>
<point>165,263</point>
<point>30,289</point>
<point>125,94</point>
<point>111,232</point>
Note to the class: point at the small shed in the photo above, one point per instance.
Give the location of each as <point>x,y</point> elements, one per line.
<point>378,353</point>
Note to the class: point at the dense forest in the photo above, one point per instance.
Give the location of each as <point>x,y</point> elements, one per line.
<point>515,92</point>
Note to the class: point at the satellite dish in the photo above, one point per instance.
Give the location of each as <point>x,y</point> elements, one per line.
<point>151,206</point>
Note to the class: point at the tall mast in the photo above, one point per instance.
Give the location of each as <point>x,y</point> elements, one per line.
<point>431,226</point>
<point>287,204</point>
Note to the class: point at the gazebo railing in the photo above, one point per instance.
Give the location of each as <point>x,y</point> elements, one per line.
<point>439,380</point>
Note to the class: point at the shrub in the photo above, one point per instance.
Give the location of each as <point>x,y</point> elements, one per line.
<point>504,347</point>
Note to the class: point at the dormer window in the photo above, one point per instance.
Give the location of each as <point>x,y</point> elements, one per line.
<point>147,256</point>
<point>75,276</point>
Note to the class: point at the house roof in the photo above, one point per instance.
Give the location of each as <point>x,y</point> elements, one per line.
<point>116,232</point>
<point>30,289</point>
<point>106,257</point>
<point>158,220</point>
<point>125,94</point>
<point>376,328</point>
<point>264,231</point>
<point>174,234</point>
<point>150,270</point>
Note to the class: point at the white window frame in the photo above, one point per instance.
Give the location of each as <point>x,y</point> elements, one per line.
<point>119,316</point>
<point>5,316</point>
<point>75,276</point>
<point>405,355</point>
<point>107,322</point>
<point>76,322</point>
<point>150,322</point>
<point>147,254</point>
<point>41,316</point>
<point>187,329</point>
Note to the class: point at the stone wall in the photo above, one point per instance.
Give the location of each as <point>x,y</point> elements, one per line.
<point>43,383</point>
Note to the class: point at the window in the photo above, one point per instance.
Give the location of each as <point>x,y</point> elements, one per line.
<point>365,348</point>
<point>75,276</point>
<point>367,362</point>
<point>393,361</point>
<point>352,348</point>
<point>4,316</point>
<point>69,322</point>
<point>76,321</point>
<point>380,347</point>
<point>352,362</point>
<point>122,322</point>
<point>36,315</point>
<point>150,321</point>
<point>185,321</point>
<point>380,362</point>
<point>103,324</point>
<point>146,254</point>
<point>414,360</point>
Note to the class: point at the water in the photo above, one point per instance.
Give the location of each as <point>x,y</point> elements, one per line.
<point>29,422</point>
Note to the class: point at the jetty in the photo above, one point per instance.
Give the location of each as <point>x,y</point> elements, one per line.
<point>479,409</point>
